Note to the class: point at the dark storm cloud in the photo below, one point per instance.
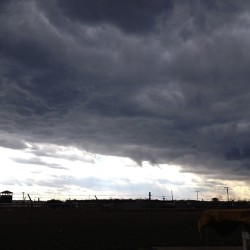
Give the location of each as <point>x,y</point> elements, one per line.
<point>37,161</point>
<point>130,16</point>
<point>13,142</point>
<point>49,151</point>
<point>164,81</point>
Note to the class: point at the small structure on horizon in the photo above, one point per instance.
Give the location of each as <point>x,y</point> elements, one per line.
<point>6,196</point>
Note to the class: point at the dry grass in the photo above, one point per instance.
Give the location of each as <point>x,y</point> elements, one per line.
<point>46,228</point>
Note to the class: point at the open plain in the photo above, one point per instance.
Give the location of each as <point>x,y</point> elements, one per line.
<point>105,228</point>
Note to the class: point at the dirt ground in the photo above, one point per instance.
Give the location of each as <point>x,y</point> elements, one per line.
<point>47,228</point>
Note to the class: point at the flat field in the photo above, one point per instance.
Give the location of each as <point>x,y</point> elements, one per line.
<point>69,229</point>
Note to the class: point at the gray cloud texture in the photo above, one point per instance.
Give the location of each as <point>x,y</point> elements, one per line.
<point>164,81</point>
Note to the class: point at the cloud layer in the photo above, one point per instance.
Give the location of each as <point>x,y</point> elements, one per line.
<point>162,81</point>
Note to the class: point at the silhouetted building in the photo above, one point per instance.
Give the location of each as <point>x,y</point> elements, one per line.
<point>6,196</point>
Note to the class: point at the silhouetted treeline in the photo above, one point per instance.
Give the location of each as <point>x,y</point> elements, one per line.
<point>144,204</point>
<point>131,204</point>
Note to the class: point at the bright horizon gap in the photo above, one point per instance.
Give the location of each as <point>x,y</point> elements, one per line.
<point>71,173</point>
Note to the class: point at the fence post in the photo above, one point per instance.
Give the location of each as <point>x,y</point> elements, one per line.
<point>245,239</point>
<point>150,219</point>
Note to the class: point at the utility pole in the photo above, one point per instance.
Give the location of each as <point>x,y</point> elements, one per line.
<point>172,195</point>
<point>197,195</point>
<point>98,223</point>
<point>150,219</point>
<point>227,188</point>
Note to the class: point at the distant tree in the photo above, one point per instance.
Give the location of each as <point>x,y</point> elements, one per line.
<point>53,203</point>
<point>215,199</point>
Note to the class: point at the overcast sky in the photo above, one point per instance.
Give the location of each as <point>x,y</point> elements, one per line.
<point>90,89</point>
